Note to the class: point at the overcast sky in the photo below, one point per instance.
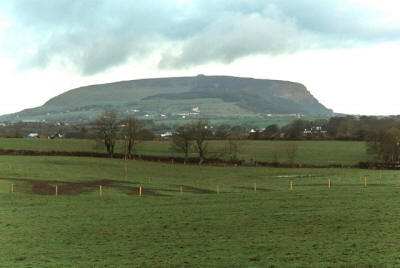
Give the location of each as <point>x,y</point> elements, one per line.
<point>346,52</point>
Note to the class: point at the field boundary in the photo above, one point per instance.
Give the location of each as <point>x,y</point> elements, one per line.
<point>196,161</point>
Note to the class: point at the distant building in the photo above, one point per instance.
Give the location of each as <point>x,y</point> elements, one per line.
<point>166,134</point>
<point>315,131</point>
<point>33,135</point>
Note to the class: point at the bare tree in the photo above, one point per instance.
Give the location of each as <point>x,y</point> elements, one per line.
<point>107,127</point>
<point>182,141</point>
<point>132,128</point>
<point>200,132</point>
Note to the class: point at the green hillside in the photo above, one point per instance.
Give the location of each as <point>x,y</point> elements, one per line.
<point>213,97</point>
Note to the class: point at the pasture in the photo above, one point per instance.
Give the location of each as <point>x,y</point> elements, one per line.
<point>270,226</point>
<point>309,152</point>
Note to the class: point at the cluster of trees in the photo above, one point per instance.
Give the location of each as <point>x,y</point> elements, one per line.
<point>385,144</point>
<point>336,128</point>
<point>382,135</point>
<point>110,128</point>
<point>193,137</point>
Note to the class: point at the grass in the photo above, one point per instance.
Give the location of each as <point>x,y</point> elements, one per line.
<point>311,226</point>
<point>309,152</point>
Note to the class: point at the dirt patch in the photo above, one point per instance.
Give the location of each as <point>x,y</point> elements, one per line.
<point>76,188</point>
<point>41,187</point>
<point>130,190</point>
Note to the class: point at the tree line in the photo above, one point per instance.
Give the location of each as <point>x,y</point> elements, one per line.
<point>192,137</point>
<point>336,128</point>
<point>110,128</point>
<point>381,134</point>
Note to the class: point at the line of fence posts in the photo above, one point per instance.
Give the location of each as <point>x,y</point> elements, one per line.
<point>217,187</point>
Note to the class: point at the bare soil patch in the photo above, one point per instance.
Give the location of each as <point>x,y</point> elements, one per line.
<point>76,188</point>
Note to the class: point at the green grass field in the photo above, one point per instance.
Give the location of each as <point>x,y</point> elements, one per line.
<point>310,226</point>
<point>309,152</point>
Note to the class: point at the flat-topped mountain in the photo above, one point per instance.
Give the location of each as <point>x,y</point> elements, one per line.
<point>179,97</point>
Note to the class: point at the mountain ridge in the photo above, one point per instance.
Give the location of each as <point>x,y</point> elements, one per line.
<point>215,96</point>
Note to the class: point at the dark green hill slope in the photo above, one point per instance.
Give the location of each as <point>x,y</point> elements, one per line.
<point>214,96</point>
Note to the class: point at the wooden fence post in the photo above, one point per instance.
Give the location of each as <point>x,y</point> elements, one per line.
<point>101,191</point>
<point>12,187</point>
<point>140,191</point>
<point>56,190</point>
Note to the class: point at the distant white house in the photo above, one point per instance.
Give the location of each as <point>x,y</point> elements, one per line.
<point>33,135</point>
<point>166,134</point>
<point>196,109</point>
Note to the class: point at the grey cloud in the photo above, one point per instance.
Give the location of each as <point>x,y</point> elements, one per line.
<point>236,35</point>
<point>93,36</point>
<point>90,35</point>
